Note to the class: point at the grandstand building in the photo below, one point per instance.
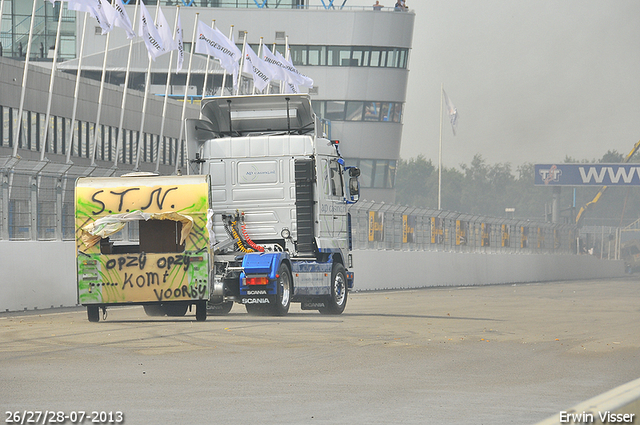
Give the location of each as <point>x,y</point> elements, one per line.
<point>358,58</point>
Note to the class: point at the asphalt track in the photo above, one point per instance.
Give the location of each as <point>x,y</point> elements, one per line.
<point>506,354</point>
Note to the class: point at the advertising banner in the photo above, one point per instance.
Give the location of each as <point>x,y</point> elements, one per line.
<point>485,231</point>
<point>587,175</point>
<point>461,232</point>
<point>437,230</point>
<point>556,238</point>
<point>505,235</point>
<point>376,226</point>
<point>408,228</point>
<point>524,237</point>
<point>540,238</point>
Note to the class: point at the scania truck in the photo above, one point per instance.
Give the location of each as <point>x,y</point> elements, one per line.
<point>280,192</point>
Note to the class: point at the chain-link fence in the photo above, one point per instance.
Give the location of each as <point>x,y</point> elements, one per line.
<point>41,207</point>
<point>36,207</point>
<point>396,227</point>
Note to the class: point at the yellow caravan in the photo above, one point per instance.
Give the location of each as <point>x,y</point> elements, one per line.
<point>145,240</point>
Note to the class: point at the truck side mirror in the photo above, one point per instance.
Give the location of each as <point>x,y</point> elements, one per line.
<point>354,172</point>
<point>354,188</point>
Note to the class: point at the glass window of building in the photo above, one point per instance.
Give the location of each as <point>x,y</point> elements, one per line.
<point>360,56</point>
<point>387,111</point>
<point>375,58</point>
<point>318,107</point>
<point>298,55</point>
<point>372,111</point>
<point>335,110</point>
<point>397,115</point>
<point>366,172</point>
<point>333,56</point>
<point>383,58</point>
<point>317,55</point>
<point>402,61</point>
<point>358,110</point>
<point>354,111</point>
<point>392,58</point>
<point>380,173</point>
<point>345,57</point>
<point>392,173</point>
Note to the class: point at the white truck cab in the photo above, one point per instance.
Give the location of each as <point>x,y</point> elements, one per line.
<point>280,193</point>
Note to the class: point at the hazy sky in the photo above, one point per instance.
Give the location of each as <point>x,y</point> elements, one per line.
<point>533,81</point>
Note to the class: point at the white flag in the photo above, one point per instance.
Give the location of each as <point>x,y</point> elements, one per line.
<point>452,111</point>
<point>119,18</point>
<point>276,65</point>
<point>96,9</point>
<point>149,33</point>
<point>290,87</point>
<point>257,68</point>
<point>180,45</point>
<point>165,33</point>
<point>293,74</point>
<point>213,43</point>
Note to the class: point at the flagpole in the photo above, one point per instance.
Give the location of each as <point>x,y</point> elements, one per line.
<point>145,101</point>
<point>76,91</point>
<point>94,142</point>
<point>125,87</point>
<point>287,55</point>
<point>51,80</point>
<point>206,72</point>
<point>440,150</point>
<point>24,81</point>
<point>224,75</point>
<point>281,81</point>
<point>166,91</point>
<point>184,103</point>
<point>244,44</point>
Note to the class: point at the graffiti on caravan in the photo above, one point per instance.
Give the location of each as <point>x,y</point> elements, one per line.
<point>131,198</point>
<point>587,175</point>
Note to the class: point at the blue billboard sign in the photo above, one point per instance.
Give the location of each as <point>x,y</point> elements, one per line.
<point>587,175</point>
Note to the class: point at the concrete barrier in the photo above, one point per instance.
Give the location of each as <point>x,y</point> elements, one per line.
<point>37,275</point>
<point>42,274</point>
<point>620,405</point>
<point>414,269</point>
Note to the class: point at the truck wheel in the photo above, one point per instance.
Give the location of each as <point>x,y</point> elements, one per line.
<point>93,313</point>
<point>201,311</point>
<point>175,309</point>
<point>154,310</point>
<point>338,300</point>
<point>219,309</point>
<point>284,288</point>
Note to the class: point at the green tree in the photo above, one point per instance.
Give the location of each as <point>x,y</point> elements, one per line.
<point>413,182</point>
<point>485,187</point>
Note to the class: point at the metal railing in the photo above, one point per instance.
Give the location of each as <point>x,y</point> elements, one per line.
<point>397,227</point>
<point>41,207</point>
<point>36,207</point>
